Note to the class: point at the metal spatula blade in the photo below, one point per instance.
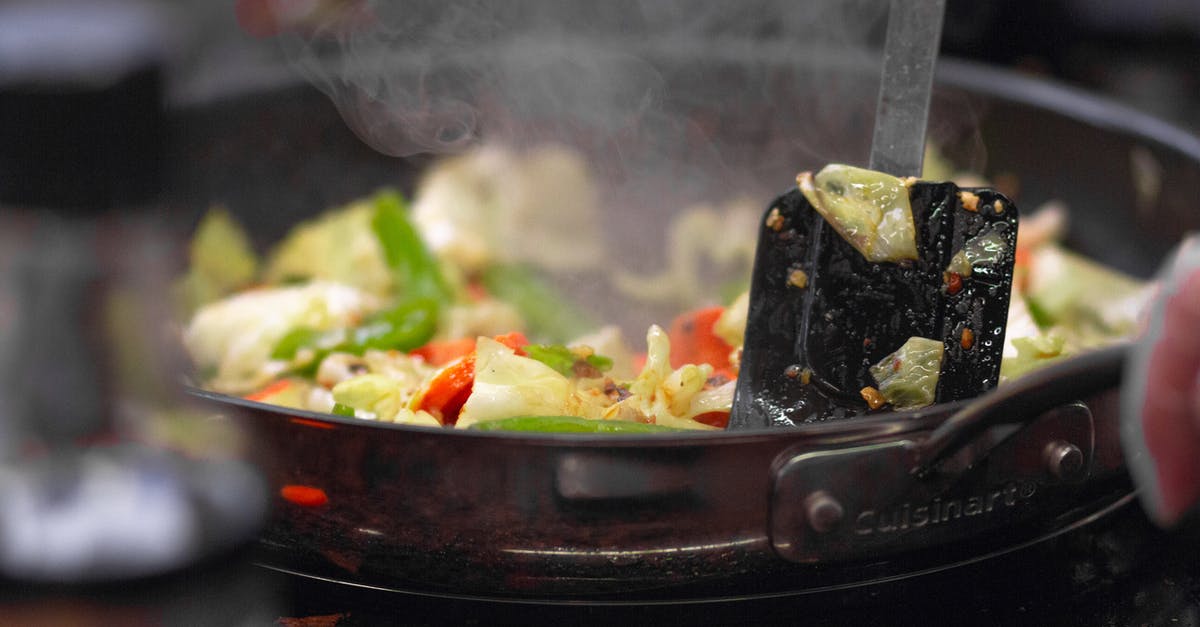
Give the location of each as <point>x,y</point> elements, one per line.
<point>810,343</point>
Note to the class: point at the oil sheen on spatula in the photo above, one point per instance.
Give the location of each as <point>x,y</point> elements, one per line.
<point>873,293</point>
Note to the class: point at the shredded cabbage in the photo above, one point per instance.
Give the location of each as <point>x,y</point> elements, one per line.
<point>669,397</point>
<point>233,338</point>
<point>507,384</point>
<point>337,246</point>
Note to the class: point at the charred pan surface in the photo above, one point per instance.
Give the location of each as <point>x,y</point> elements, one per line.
<point>853,312</point>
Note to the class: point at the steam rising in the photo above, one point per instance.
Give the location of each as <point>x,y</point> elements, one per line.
<point>672,103</point>
<point>434,76</point>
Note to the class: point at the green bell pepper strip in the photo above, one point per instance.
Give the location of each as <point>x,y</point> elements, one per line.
<point>342,410</point>
<point>561,358</point>
<point>411,322</point>
<point>569,424</point>
<point>296,339</point>
<point>405,327</point>
<point>415,270</point>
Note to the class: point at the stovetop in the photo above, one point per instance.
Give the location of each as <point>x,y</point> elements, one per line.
<point>1118,571</point>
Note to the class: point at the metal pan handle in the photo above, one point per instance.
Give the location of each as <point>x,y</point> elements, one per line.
<point>1005,466</point>
<point>1023,401</point>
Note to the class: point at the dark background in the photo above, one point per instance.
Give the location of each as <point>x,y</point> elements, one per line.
<point>1146,54</point>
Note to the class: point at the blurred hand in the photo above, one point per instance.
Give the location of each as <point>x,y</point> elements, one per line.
<point>1161,402</point>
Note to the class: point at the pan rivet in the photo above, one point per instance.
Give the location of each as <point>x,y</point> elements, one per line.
<point>1063,459</point>
<point>823,511</point>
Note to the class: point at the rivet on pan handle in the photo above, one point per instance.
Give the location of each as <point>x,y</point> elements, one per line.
<point>1023,400</point>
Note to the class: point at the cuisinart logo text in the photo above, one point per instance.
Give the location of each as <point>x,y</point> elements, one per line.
<point>939,511</point>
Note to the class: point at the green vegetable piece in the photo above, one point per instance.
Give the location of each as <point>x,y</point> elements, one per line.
<point>375,393</point>
<point>564,360</point>
<point>418,277</point>
<point>551,317</point>
<point>221,260</point>
<point>342,410</point>
<point>869,209</point>
<point>295,340</point>
<point>404,327</point>
<point>1068,289</point>
<point>1033,353</point>
<point>908,378</point>
<point>319,343</point>
<point>338,246</point>
<point>600,362</point>
<point>415,270</point>
<point>986,248</point>
<point>569,424</point>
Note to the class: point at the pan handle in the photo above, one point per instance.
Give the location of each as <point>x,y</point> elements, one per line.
<point>1022,401</point>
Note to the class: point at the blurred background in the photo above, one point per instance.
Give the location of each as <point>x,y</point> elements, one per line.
<point>188,52</point>
<point>1142,53</point>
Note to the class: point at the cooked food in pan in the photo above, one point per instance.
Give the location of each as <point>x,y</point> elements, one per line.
<point>439,314</point>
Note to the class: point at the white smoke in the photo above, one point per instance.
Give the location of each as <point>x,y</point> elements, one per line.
<point>435,76</point>
<point>671,102</point>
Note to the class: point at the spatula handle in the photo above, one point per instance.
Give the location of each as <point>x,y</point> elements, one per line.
<point>914,32</point>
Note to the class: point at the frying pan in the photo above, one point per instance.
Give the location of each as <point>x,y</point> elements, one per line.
<point>818,507</point>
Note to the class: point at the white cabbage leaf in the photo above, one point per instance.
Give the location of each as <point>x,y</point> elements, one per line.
<point>338,246</point>
<point>382,398</point>
<point>507,385</point>
<point>233,338</point>
<point>494,205</point>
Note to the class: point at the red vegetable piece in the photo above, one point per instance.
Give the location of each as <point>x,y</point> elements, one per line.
<point>515,340</point>
<point>718,419</point>
<point>449,389</point>
<point>269,391</point>
<point>694,342</point>
<point>442,352</point>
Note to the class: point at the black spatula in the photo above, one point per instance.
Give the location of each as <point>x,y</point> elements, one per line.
<point>824,312</point>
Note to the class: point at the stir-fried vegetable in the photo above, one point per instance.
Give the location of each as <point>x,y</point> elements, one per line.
<point>221,261</point>
<point>869,209</point>
<point>694,340</point>
<point>565,361</point>
<point>908,378</point>
<point>379,312</point>
<point>549,316</point>
<point>234,338</point>
<point>338,246</point>
<point>416,274</point>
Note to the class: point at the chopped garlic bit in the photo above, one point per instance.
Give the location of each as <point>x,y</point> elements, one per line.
<point>969,200</point>
<point>873,398</point>
<point>775,220</point>
<point>798,278</point>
